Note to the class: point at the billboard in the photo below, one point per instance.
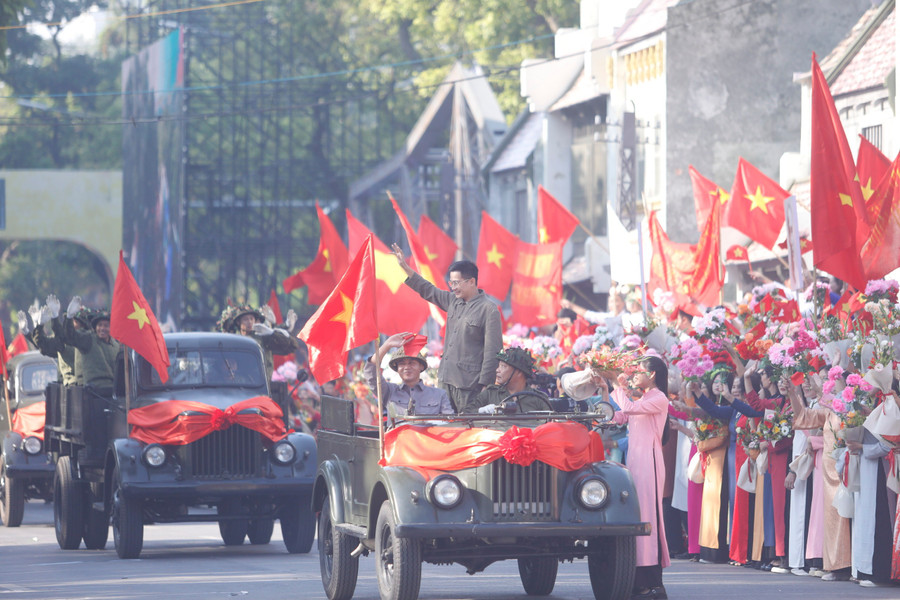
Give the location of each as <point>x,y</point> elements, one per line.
<point>153,174</point>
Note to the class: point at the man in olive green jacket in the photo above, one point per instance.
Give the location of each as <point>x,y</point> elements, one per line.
<point>95,350</point>
<point>473,334</point>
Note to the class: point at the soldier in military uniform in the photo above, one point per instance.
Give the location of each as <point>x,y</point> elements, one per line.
<point>260,325</point>
<point>95,350</point>
<point>515,368</point>
<point>46,330</point>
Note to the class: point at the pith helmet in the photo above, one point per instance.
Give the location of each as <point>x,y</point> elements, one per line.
<point>400,353</point>
<point>518,358</point>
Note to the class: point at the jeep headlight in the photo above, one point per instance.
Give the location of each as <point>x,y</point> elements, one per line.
<point>593,493</point>
<point>32,445</point>
<point>445,491</point>
<point>154,455</point>
<point>283,453</point>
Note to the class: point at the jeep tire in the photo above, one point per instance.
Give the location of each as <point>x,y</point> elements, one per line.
<point>233,531</point>
<point>127,522</point>
<point>339,569</point>
<point>298,527</point>
<point>538,574</point>
<point>96,522</point>
<point>68,504</point>
<point>611,565</point>
<point>259,531</point>
<point>12,498</point>
<point>398,561</point>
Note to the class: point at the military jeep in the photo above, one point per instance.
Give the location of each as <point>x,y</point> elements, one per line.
<point>209,445</point>
<point>26,468</point>
<point>497,497</point>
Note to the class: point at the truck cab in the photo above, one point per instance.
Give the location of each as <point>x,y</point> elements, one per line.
<point>26,468</point>
<point>210,444</point>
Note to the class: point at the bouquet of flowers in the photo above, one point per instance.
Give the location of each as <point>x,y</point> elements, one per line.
<point>747,434</point>
<point>691,359</point>
<point>762,297</point>
<point>712,326</point>
<point>608,361</point>
<point>880,370</point>
<point>631,341</point>
<point>776,425</point>
<point>545,350</point>
<point>708,428</point>
<point>882,289</point>
<point>852,404</point>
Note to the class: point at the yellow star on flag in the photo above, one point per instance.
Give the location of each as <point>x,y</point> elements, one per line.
<point>346,311</point>
<point>758,200</point>
<point>846,200</point>
<point>494,256</point>
<point>739,252</point>
<point>388,271</point>
<point>724,196</point>
<point>139,315</point>
<point>429,254</point>
<point>867,190</point>
<point>543,236</point>
<point>327,255</point>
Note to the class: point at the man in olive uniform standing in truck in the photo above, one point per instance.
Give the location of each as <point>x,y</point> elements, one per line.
<point>473,336</point>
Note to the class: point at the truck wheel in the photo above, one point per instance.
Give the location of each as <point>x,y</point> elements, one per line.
<point>96,522</point>
<point>260,530</point>
<point>233,532</point>
<point>538,574</point>
<point>68,504</point>
<point>12,498</point>
<point>127,522</point>
<point>398,561</point>
<point>339,569</point>
<point>298,528</point>
<point>611,564</point>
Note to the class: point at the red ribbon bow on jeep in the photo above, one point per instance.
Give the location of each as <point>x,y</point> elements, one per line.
<point>180,422</point>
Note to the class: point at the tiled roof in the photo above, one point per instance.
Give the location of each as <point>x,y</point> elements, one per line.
<point>871,64</point>
<point>582,89</point>
<point>837,59</point>
<point>516,152</point>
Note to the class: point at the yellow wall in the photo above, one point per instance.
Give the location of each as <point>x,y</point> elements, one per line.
<point>78,206</point>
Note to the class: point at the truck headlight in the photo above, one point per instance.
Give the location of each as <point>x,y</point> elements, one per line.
<point>445,491</point>
<point>593,493</point>
<point>154,455</point>
<point>283,453</point>
<point>32,445</point>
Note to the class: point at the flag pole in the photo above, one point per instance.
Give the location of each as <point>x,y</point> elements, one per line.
<point>378,395</point>
<point>640,237</point>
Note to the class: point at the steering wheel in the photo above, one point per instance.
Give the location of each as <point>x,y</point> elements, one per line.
<point>524,393</point>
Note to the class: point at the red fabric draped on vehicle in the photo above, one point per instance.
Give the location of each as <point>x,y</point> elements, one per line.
<point>180,422</point>
<point>29,420</point>
<point>565,446</point>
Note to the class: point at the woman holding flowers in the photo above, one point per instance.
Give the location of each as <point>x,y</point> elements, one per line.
<point>646,418</point>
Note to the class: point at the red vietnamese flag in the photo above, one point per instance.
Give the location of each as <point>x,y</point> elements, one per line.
<point>399,307</point>
<point>555,222</point>
<point>871,167</point>
<point>19,345</point>
<point>414,344</point>
<point>440,247</point>
<point>422,263</point>
<point>805,245</point>
<point>496,253</point>
<point>708,277</point>
<point>4,352</point>
<point>276,309</point>
<point>672,263</point>
<point>705,194</point>
<point>132,322</point>
<point>326,269</point>
<point>738,252</point>
<point>346,319</point>
<point>881,253</point>
<point>757,205</point>
<point>537,283</point>
<point>840,225</point>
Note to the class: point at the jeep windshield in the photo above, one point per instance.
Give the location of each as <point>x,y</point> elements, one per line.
<point>211,367</point>
<point>34,378</point>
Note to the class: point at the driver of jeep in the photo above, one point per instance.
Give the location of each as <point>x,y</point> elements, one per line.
<point>515,368</point>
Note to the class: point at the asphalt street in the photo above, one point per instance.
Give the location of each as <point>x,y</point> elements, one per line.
<point>189,561</point>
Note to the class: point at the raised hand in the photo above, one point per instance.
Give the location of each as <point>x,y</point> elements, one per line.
<point>74,306</point>
<point>35,312</point>
<point>290,320</point>
<point>262,329</point>
<point>53,304</point>
<point>268,314</point>
<point>25,323</point>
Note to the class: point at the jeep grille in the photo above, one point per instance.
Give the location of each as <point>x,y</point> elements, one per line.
<point>523,493</point>
<point>229,454</point>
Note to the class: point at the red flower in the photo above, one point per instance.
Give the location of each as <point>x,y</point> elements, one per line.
<point>518,446</point>
<point>797,378</point>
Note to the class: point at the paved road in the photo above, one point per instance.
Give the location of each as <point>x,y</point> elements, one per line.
<point>188,561</point>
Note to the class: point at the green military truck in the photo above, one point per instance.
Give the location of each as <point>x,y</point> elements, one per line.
<point>26,468</point>
<point>211,444</point>
<point>472,490</point>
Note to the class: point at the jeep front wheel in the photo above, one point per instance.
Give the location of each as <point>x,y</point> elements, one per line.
<point>12,498</point>
<point>339,569</point>
<point>398,561</point>
<point>68,504</point>
<point>538,574</point>
<point>611,565</point>
<point>127,522</point>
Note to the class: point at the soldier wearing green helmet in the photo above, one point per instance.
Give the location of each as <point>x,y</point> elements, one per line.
<point>515,369</point>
